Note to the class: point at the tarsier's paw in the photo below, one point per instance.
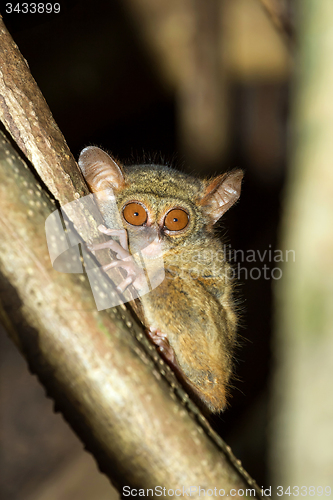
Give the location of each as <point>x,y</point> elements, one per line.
<point>163,346</point>
<point>135,275</point>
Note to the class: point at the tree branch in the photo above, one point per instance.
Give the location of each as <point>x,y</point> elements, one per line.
<point>103,374</point>
<point>301,452</point>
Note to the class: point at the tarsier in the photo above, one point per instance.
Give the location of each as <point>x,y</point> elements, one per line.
<point>191,316</point>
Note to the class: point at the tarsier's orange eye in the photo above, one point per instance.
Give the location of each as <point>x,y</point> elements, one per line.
<point>135,214</point>
<point>176,220</point>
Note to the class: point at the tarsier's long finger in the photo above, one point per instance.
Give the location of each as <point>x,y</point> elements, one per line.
<point>120,233</point>
<point>127,265</point>
<point>100,246</point>
<point>103,229</point>
<point>124,284</point>
<point>114,246</point>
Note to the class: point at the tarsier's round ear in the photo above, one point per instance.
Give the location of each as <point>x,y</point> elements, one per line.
<point>100,170</point>
<point>221,194</point>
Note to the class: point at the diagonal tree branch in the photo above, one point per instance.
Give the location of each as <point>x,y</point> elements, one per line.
<point>100,369</point>
<point>96,366</point>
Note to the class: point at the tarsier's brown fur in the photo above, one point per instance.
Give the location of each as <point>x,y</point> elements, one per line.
<point>193,305</point>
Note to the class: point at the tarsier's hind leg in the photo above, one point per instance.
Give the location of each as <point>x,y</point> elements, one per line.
<point>206,387</point>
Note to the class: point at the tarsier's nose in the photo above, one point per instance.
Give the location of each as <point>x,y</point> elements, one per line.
<point>151,232</point>
<point>151,241</point>
<point>145,235</point>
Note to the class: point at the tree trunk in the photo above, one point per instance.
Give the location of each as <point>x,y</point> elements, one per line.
<point>302,409</point>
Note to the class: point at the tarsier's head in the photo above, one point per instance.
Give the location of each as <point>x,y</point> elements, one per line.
<point>160,207</point>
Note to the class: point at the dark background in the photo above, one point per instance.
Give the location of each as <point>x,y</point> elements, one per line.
<point>104,88</point>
